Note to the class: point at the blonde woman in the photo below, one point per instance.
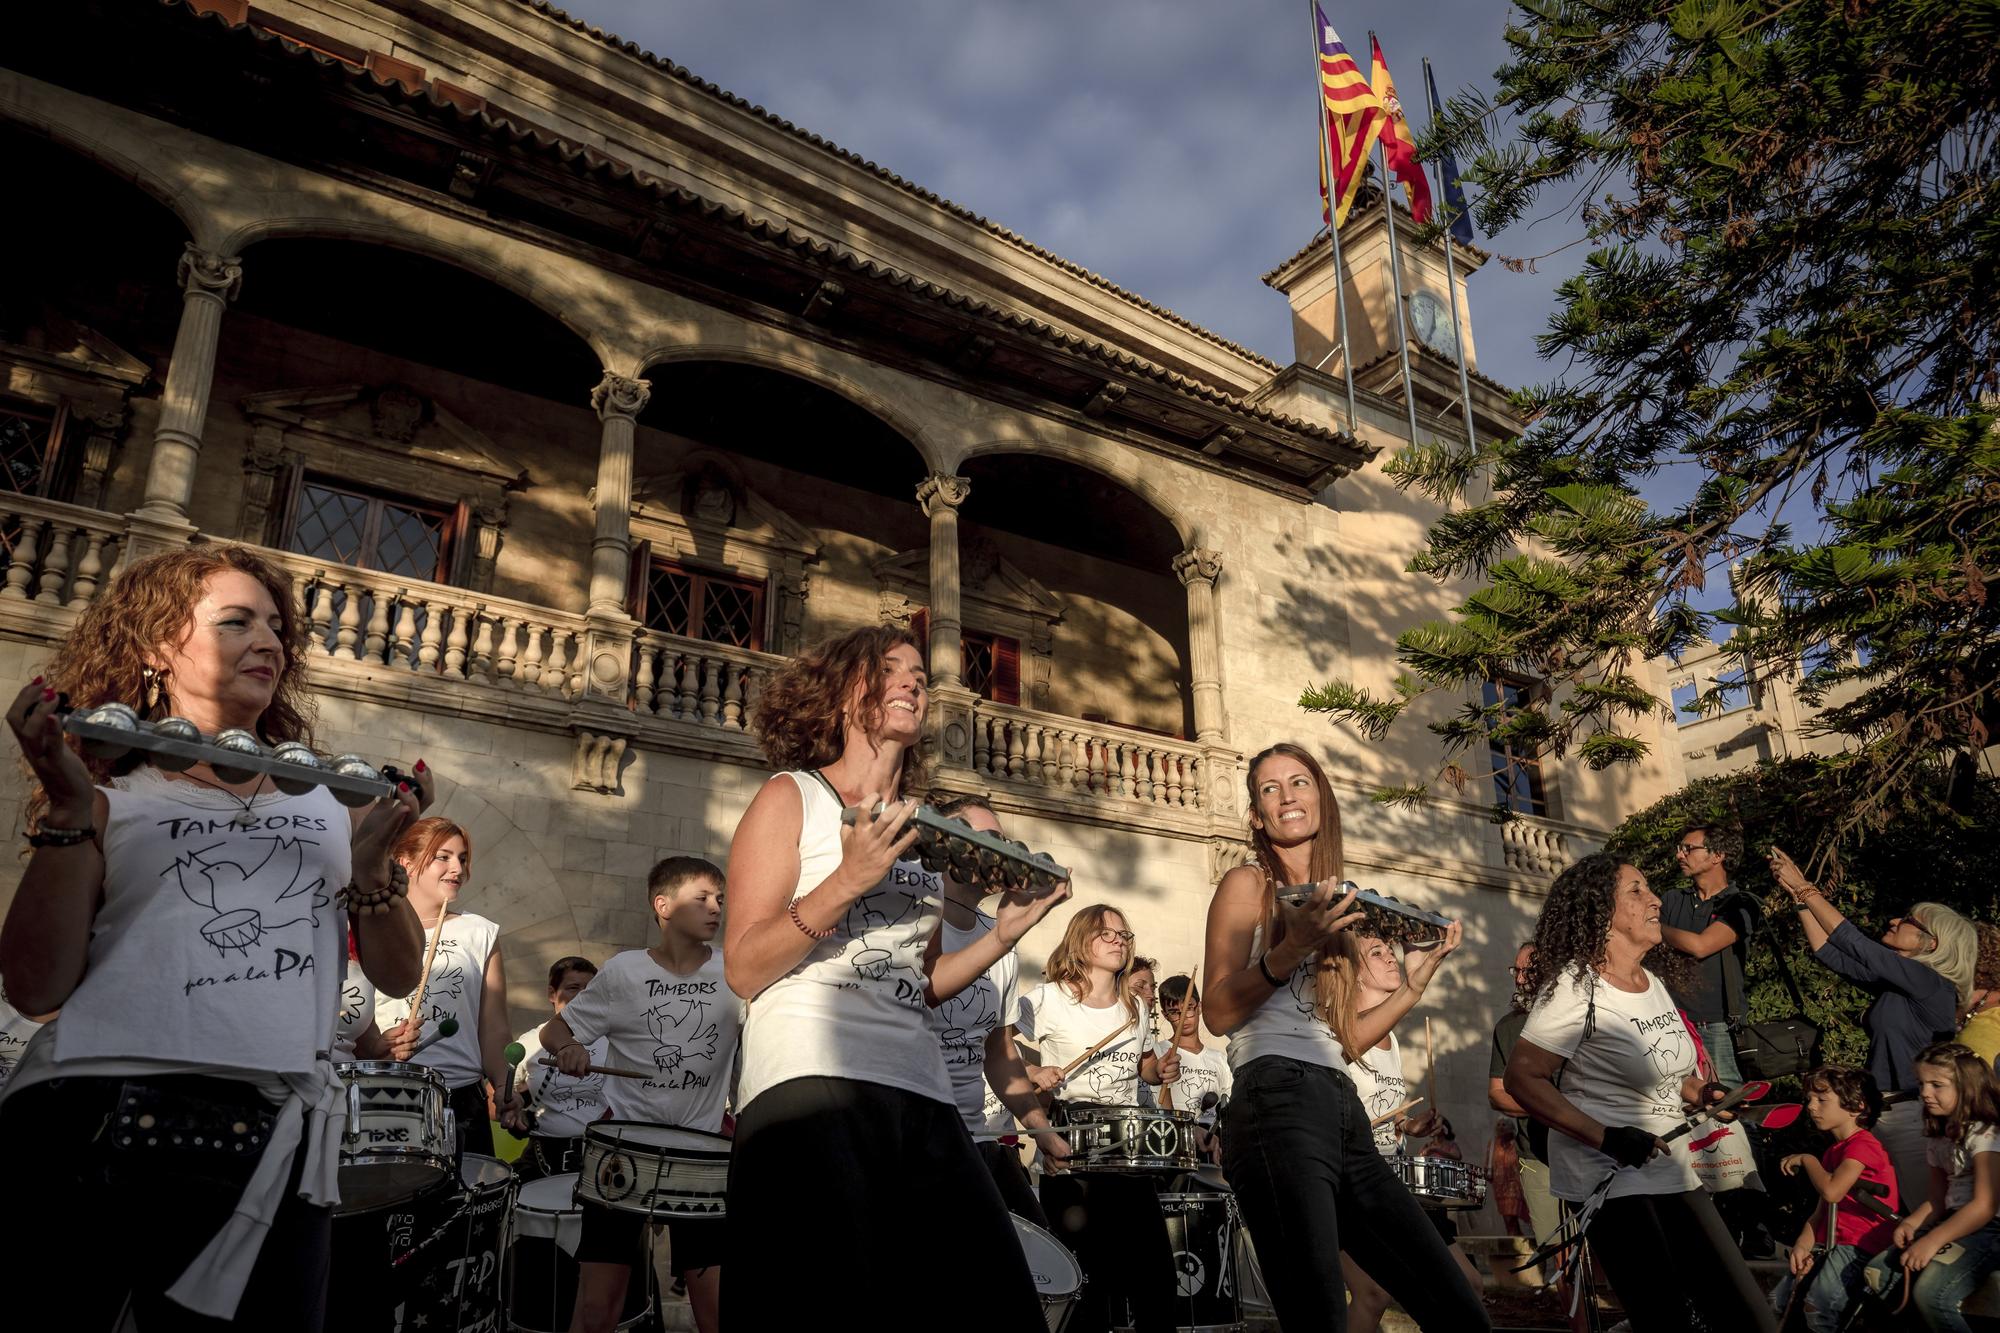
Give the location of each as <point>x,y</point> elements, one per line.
<point>1111,1221</point>
<point>1295,1140</point>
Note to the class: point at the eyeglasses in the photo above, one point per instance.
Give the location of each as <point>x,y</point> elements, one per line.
<point>1122,936</point>
<point>1687,847</point>
<point>1517,972</point>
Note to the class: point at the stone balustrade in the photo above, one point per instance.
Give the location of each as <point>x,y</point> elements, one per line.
<point>1540,846</point>
<point>699,683</point>
<point>1067,756</point>
<point>56,554</point>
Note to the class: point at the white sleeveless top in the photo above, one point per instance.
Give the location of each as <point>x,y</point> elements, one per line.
<point>219,943</point>
<point>457,979</point>
<point>1379,1083</point>
<point>854,1008</point>
<point>1284,1024</point>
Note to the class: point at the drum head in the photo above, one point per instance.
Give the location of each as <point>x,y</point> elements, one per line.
<point>552,1195</point>
<point>1055,1269</point>
<point>481,1173</point>
<point>660,1140</point>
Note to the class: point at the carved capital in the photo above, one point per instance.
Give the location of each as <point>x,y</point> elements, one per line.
<point>595,765</point>
<point>938,491</point>
<point>1198,563</point>
<point>618,396</point>
<point>220,276</point>
<point>1224,855</point>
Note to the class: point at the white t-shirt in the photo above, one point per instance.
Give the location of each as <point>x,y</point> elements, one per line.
<point>1065,1028</point>
<point>1202,1072</point>
<point>457,982</point>
<point>854,1006</point>
<point>357,1011</point>
<point>1284,1024</point>
<point>562,1105</point>
<point>963,1023</point>
<point>1379,1082</point>
<point>1955,1160</point>
<point>219,943</point>
<point>1628,1071</point>
<point>686,1028</point>
<point>15,1029</point>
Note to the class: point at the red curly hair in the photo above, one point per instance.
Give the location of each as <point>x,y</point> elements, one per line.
<point>148,609</point>
<point>800,718</point>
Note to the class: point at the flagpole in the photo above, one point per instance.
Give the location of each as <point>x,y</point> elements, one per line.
<point>1332,212</point>
<point>1451,278</point>
<point>1396,273</point>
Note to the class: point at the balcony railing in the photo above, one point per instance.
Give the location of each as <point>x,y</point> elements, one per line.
<point>1066,756</point>
<point>357,615</point>
<point>56,554</point>
<point>702,684</point>
<point>1542,846</point>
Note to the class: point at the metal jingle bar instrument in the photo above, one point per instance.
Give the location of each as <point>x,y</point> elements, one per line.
<point>972,856</point>
<point>1389,918</point>
<point>111,730</point>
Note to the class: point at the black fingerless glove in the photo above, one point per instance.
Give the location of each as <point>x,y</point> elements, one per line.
<point>1628,1146</point>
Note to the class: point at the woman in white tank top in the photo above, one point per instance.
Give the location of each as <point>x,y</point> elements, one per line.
<point>1296,1145</point>
<point>182,1108</point>
<point>842,1093</point>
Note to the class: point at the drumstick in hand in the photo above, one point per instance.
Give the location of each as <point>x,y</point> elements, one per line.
<point>1182,1027</point>
<point>1107,1039</point>
<point>1387,1116</point>
<point>1430,1065</point>
<point>424,981</point>
<point>550,1060</point>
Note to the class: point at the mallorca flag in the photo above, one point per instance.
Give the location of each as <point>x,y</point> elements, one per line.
<point>1398,144</point>
<point>1353,117</point>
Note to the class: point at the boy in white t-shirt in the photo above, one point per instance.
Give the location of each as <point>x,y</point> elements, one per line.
<point>1203,1069</point>
<point>561,1105</point>
<point>667,1008</point>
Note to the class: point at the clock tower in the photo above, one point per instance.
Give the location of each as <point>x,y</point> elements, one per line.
<point>1308,281</point>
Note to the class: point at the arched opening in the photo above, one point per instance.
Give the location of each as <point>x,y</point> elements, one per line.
<point>387,411</point>
<point>1120,651</point>
<point>87,320</point>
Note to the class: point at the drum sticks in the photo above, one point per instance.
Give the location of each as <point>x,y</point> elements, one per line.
<point>1106,1040</point>
<point>424,981</point>
<point>550,1060</point>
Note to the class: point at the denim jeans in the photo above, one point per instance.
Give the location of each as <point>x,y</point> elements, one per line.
<point>1946,1280</point>
<point>1721,1052</point>
<point>1831,1290</point>
<point>1297,1149</point>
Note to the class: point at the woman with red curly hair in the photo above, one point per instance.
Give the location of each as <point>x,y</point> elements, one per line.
<point>182,1109</point>
<point>842,1086</point>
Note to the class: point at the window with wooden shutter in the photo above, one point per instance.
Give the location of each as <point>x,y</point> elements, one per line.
<point>30,447</point>
<point>698,604</point>
<point>367,529</point>
<point>991,664</point>
<point>1517,772</point>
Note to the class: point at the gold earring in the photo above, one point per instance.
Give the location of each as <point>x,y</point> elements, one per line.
<point>150,687</point>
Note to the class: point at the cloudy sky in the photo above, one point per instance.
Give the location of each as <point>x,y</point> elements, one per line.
<point>1168,146</point>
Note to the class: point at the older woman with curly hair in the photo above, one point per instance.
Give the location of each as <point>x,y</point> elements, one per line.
<point>1920,972</point>
<point>181,1111</point>
<point>843,1095</point>
<point>1601,1018</point>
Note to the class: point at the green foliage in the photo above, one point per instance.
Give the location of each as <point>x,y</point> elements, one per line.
<point>1922,853</point>
<point>1794,214</point>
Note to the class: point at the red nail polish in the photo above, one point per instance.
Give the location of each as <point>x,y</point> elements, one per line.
<point>402,786</point>
<point>36,681</point>
<point>47,694</point>
<point>420,765</point>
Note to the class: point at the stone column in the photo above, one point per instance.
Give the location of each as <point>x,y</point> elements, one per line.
<point>618,402</point>
<point>1198,568</point>
<point>209,282</point>
<point>940,496</point>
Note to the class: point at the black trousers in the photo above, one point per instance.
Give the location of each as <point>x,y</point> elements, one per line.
<point>468,1109</point>
<point>852,1204</point>
<point>1016,1190</point>
<point>1111,1221</point>
<point>72,1192</point>
<point>1666,1252</point>
<point>1309,1183</point>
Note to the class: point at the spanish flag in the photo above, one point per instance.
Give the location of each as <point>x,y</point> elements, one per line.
<point>1398,144</point>
<point>1353,117</point>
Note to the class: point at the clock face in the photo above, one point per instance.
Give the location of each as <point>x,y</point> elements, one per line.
<point>1431,322</point>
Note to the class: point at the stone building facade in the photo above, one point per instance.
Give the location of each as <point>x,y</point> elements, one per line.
<point>578,393</point>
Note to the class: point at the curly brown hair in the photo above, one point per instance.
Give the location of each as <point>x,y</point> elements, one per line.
<point>149,608</point>
<point>1854,1089</point>
<point>800,718</point>
<point>1327,862</point>
<point>1575,927</point>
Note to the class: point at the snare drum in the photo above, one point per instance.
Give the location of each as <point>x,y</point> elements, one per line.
<point>541,1274</point>
<point>658,1170</point>
<point>397,1142</point>
<point>445,1251</point>
<point>1130,1138</point>
<point>1202,1228</point>
<point>1058,1278</point>
<point>1441,1182</point>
